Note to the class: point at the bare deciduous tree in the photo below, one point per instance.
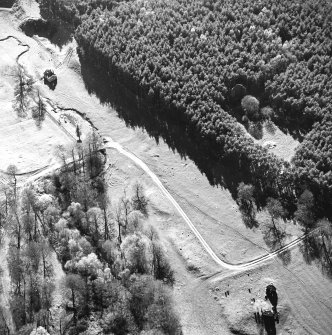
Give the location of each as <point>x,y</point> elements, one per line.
<point>139,200</point>
<point>22,90</point>
<point>39,111</point>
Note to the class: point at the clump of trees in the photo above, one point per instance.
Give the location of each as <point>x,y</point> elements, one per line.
<point>316,245</point>
<point>118,277</point>
<point>29,254</point>
<point>313,162</point>
<point>117,268</point>
<point>27,98</point>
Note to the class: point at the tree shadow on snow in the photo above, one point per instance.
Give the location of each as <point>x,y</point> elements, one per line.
<point>160,125</point>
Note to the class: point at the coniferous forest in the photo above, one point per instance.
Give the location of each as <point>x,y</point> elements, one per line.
<point>197,60</point>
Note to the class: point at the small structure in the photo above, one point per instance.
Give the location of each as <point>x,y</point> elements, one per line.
<point>50,76</point>
<point>50,79</point>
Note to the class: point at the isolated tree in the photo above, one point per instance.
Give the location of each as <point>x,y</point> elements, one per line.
<point>139,200</point>
<point>78,133</point>
<point>246,201</point>
<point>275,234</point>
<point>39,111</point>
<point>22,90</point>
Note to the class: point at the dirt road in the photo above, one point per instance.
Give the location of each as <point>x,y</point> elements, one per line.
<point>109,143</point>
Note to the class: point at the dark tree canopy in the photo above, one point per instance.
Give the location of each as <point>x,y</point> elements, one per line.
<point>198,59</point>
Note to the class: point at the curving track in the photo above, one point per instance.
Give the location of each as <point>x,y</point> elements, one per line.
<point>242,266</point>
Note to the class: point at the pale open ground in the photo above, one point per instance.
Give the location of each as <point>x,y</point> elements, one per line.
<point>21,142</point>
<point>281,144</point>
<point>304,293</point>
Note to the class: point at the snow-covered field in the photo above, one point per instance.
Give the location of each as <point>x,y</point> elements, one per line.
<point>22,143</point>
